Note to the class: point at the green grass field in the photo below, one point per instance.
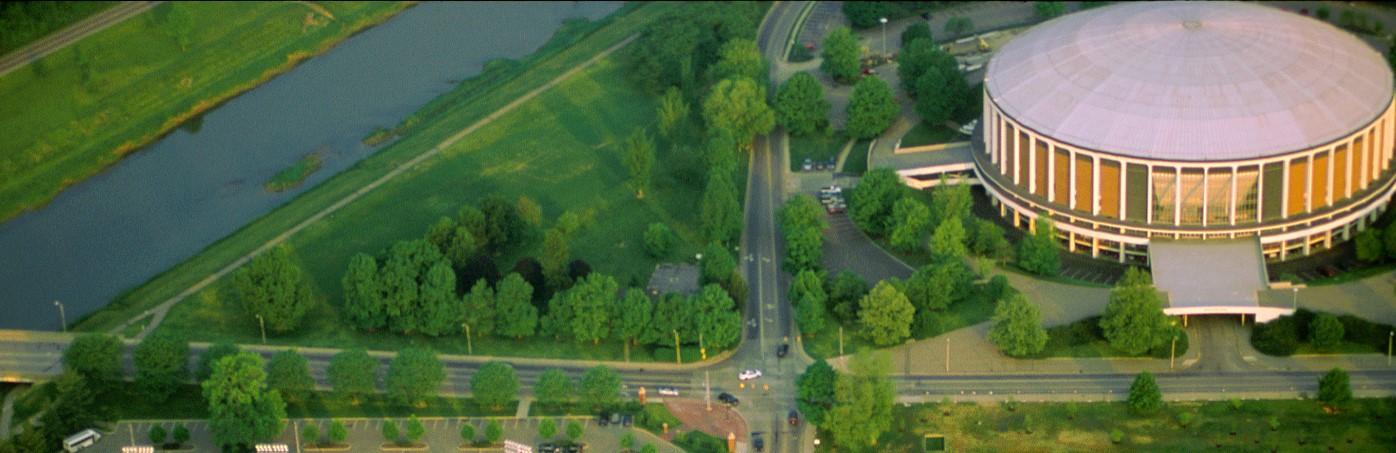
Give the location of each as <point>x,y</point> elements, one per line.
<point>562,149</point>
<point>922,134</point>
<point>968,312</point>
<point>79,110</point>
<point>472,100</point>
<point>1303,426</point>
<point>857,161</point>
<point>818,147</point>
<point>23,23</point>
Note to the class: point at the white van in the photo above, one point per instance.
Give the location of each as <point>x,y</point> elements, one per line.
<point>81,440</point>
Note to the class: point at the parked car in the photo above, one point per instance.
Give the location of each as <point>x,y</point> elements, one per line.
<point>547,448</point>
<point>668,391</point>
<point>1328,270</point>
<point>604,419</point>
<point>793,418</point>
<point>782,350</point>
<point>81,440</point>
<point>626,420</point>
<point>615,418</point>
<point>757,442</point>
<point>576,448</point>
<point>808,165</point>
<point>749,374</point>
<point>728,399</point>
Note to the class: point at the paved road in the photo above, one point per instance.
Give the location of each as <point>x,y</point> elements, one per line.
<point>60,39</point>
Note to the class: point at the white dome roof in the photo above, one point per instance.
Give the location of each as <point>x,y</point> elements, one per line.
<point>1190,81</point>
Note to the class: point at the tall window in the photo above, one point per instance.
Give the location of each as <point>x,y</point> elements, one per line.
<point>1192,197</point>
<point>1219,196</point>
<point>1165,193</point>
<point>1248,193</point>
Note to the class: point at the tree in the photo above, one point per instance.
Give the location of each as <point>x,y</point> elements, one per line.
<point>415,430</point>
<point>495,384</point>
<point>722,214</point>
<point>467,432</point>
<point>800,105</point>
<point>673,112</point>
<point>863,402</point>
<point>870,204</point>
<point>479,308</point>
<point>547,429</point>
<point>179,23</point>
<point>1038,251</point>
<point>988,240</point>
<point>1325,331</point>
<point>574,431</point>
<point>556,253</point>
<point>809,299</point>
<point>157,434</point>
<point>739,58</point>
<point>162,365</point>
<point>1048,10</point>
<point>473,220</point>
<point>634,312</point>
<point>405,279</point>
<point>659,240</point>
<point>871,108</point>
<point>517,317</point>
<point>96,358</point>
<point>1369,247</point>
<point>363,296</point>
<point>440,309</point>
<point>802,222</point>
<point>338,433</point>
<point>288,372</point>
<point>815,390</point>
<point>716,316</point>
<point>841,51</point>
<point>958,25</point>
<point>1017,329</point>
<point>73,407</point>
<point>600,387</point>
<point>717,263</point>
<point>242,410</point>
<point>649,448</point>
<point>353,373</point>
<point>1333,387</point>
<point>639,160</point>
<point>210,356</point>
<point>918,30</point>
<point>885,315</point>
<point>951,199</point>
<point>942,94</point>
<point>948,241</point>
<point>554,388</point>
<point>494,431</point>
<point>919,57</point>
<point>1134,321</point>
<point>627,441</point>
<point>502,219</point>
<point>273,287</point>
<point>671,314</point>
<point>311,433</point>
<point>910,218</point>
<point>720,153</point>
<point>413,376</point>
<point>739,105</point>
<point>1144,394</point>
<point>664,55</point>
<point>845,290</point>
<point>391,432</point>
<point>590,301</point>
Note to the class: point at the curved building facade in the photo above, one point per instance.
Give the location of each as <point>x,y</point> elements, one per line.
<point>1188,120</point>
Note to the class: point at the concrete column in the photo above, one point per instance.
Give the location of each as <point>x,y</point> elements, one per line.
<point>1206,171</point>
<point>1149,197</point>
<point>1328,197</point>
<point>1177,195</point>
<point>1124,169</point>
<point>1071,241</point>
<point>1017,172</point>
<point>1071,175</point>
<point>1095,247</point>
<point>1051,172</point>
<point>1347,172</point>
<point>1284,194</point>
<point>1032,162</point>
<point>1259,192</point>
<point>1309,189</point>
<point>1231,211</point>
<point>1095,185</point>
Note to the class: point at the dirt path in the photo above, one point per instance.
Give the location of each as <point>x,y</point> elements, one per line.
<point>62,38</point>
<point>163,309</point>
<point>721,421</point>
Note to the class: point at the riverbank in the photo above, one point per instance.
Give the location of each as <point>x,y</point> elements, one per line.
<point>141,79</point>
<point>471,101</point>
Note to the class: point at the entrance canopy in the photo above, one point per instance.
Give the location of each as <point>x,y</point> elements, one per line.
<point>1212,277</point>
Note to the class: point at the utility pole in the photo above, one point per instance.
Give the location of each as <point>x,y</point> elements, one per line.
<point>469,347</point>
<point>1389,335</point>
<point>678,353</point>
<point>884,36</point>
<point>1295,300</point>
<point>263,324</point>
<point>707,391</point>
<point>1173,350</point>
<point>947,354</point>
<point>840,340</point>
<point>62,317</point>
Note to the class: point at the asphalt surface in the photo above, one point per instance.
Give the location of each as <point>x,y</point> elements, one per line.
<point>62,38</point>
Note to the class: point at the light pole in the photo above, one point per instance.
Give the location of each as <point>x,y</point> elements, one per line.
<point>1295,301</point>
<point>1172,350</point>
<point>1389,336</point>
<point>62,317</point>
<point>884,36</point>
<point>263,324</point>
<point>678,353</point>
<point>469,348</point>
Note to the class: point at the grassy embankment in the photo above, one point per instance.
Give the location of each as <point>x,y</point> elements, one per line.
<point>292,176</point>
<point>471,101</point>
<point>922,134</point>
<point>857,161</point>
<point>1302,425</point>
<point>22,23</point>
<point>79,110</point>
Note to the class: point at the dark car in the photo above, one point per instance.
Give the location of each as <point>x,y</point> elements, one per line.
<point>616,418</point>
<point>757,442</point>
<point>782,350</point>
<point>575,448</point>
<point>794,417</point>
<point>1328,270</point>
<point>728,399</point>
<point>626,420</point>
<point>604,419</point>
<point>547,448</point>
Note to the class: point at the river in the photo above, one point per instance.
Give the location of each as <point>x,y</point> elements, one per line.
<point>161,205</point>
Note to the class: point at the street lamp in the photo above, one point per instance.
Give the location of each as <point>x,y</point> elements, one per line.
<point>469,348</point>
<point>678,353</point>
<point>263,324</point>
<point>1389,336</point>
<point>62,317</point>
<point>1295,300</point>
<point>884,36</point>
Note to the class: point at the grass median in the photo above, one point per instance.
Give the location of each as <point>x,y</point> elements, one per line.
<point>473,100</point>
<point>71,114</point>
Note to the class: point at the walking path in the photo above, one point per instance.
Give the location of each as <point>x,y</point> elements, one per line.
<point>163,309</point>
<point>62,38</point>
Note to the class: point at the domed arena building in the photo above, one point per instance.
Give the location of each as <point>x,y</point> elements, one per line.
<point>1188,120</point>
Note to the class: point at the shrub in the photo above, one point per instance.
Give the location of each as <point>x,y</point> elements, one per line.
<point>1279,337</point>
<point>338,432</point>
<point>157,434</point>
<point>1361,331</point>
<point>467,432</point>
<point>1325,331</point>
<point>659,240</point>
<point>1117,436</point>
<point>311,433</point>
<point>1274,423</point>
<point>1236,404</point>
<point>1163,349</point>
<point>1185,419</point>
<point>1333,387</point>
<point>1144,394</point>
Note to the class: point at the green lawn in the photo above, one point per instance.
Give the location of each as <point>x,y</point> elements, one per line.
<point>857,161</point>
<point>1084,338</point>
<point>971,311</point>
<point>26,22</point>
<point>74,112</point>
<point>1216,426</point>
<point>470,101</point>
<point>562,149</point>
<point>188,402</point>
<point>817,146</point>
<point>922,134</point>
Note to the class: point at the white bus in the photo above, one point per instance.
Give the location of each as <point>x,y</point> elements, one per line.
<point>81,440</point>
